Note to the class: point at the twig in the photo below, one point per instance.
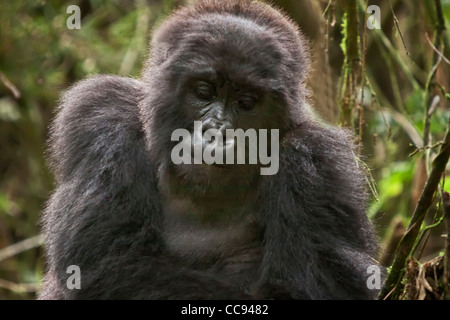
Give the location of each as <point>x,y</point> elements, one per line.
<point>406,68</point>
<point>8,84</point>
<point>327,7</point>
<point>437,144</point>
<point>399,31</point>
<point>21,246</point>
<point>440,54</point>
<point>406,125</point>
<point>18,287</point>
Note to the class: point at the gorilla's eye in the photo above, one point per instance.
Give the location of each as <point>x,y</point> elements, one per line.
<point>246,102</point>
<point>204,90</point>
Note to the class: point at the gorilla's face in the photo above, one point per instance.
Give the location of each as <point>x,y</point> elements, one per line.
<point>221,77</point>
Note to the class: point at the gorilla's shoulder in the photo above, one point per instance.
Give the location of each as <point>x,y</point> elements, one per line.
<point>101,95</point>
<point>320,138</point>
<point>97,121</point>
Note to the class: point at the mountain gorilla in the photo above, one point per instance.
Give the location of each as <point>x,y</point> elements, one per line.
<point>140,226</point>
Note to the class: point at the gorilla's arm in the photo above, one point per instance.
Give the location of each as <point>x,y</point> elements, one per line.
<point>318,241</point>
<point>105,215</point>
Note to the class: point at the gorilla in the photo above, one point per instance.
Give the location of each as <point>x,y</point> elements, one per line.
<point>140,225</point>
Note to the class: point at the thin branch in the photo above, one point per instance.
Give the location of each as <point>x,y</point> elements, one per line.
<point>21,246</point>
<point>327,7</point>
<point>406,125</point>
<point>18,287</point>
<point>440,54</point>
<point>398,30</point>
<point>437,144</point>
<point>406,68</point>
<point>8,84</point>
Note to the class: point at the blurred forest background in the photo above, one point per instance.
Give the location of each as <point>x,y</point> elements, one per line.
<point>390,85</point>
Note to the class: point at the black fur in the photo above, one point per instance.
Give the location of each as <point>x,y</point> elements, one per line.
<point>140,227</point>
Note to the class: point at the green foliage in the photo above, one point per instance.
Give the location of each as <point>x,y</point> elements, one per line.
<point>41,57</point>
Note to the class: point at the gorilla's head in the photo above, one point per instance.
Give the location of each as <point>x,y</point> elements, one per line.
<point>230,65</point>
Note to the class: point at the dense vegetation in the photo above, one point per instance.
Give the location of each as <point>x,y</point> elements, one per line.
<point>390,85</point>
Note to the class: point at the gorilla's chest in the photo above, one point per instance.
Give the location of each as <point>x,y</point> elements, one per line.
<point>229,247</point>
